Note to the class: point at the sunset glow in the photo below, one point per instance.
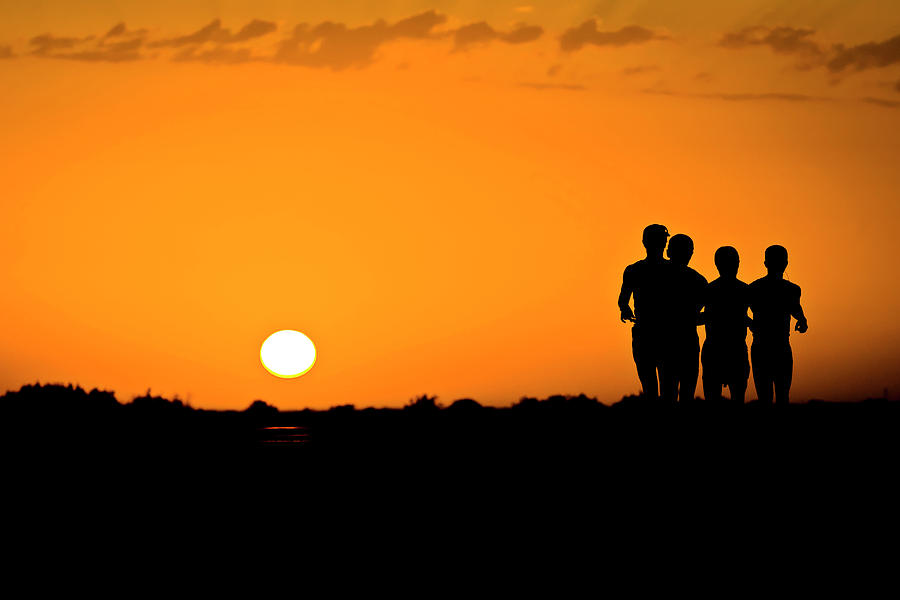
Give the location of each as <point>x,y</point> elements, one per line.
<point>443,195</point>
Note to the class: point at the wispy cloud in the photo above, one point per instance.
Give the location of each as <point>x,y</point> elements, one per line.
<point>587,33</point>
<point>882,102</point>
<point>120,30</point>
<point>783,40</point>
<point>741,97</point>
<point>6,52</point>
<point>865,56</point>
<point>46,43</point>
<point>219,55</point>
<point>640,70</point>
<point>554,86</point>
<point>214,32</point>
<point>336,46</point>
<point>480,33</point>
<point>128,50</point>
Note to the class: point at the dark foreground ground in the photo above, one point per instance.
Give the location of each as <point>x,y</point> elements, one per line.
<point>564,476</point>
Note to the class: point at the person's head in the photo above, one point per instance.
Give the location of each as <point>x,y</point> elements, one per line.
<point>681,249</point>
<point>727,261</point>
<point>655,237</point>
<point>776,259</point>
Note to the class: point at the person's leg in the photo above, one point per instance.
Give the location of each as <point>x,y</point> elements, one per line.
<point>783,375</point>
<point>739,373</point>
<point>760,357</point>
<point>738,389</point>
<point>690,370</point>
<point>712,389</point>
<point>669,370</point>
<point>645,363</point>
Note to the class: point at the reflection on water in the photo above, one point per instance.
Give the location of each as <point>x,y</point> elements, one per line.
<point>283,435</point>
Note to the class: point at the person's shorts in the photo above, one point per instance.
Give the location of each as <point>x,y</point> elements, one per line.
<point>723,363</point>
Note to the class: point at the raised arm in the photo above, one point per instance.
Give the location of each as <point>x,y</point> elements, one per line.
<point>625,297</point>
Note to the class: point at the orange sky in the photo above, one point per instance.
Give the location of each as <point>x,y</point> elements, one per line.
<point>443,209</point>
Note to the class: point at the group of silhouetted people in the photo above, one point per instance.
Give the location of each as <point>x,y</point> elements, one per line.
<point>671,300</point>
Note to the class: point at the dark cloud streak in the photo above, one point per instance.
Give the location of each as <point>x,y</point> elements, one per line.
<point>865,56</point>
<point>336,46</point>
<point>481,33</point>
<point>587,33</point>
<point>782,40</point>
<point>554,86</point>
<point>214,32</point>
<point>740,97</point>
<point>119,52</point>
<point>46,43</point>
<point>882,102</point>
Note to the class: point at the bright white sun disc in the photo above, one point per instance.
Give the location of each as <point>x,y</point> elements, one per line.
<point>287,353</point>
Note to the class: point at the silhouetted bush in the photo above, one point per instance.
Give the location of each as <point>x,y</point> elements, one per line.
<point>423,403</point>
<point>464,406</point>
<point>261,410</point>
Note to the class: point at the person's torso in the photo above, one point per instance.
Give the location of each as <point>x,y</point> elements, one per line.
<point>772,300</point>
<point>651,281</point>
<point>685,297</point>
<point>726,306</point>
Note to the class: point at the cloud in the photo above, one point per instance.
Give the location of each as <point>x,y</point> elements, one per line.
<point>480,33</point>
<point>587,33</point>
<point>553,86</point>
<point>882,102</point>
<point>118,52</point>
<point>865,56</point>
<point>765,96</point>
<point>897,87</point>
<point>6,52</point>
<point>214,32</point>
<point>741,97</point>
<point>782,40</point>
<point>46,43</point>
<point>120,30</point>
<point>116,45</point>
<point>640,69</point>
<point>219,55</point>
<point>336,46</point>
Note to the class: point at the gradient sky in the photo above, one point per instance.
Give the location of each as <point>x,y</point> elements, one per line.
<point>442,195</point>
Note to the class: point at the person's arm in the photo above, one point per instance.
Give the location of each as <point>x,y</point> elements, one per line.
<point>748,305</point>
<point>625,298</point>
<point>702,286</point>
<point>797,313</point>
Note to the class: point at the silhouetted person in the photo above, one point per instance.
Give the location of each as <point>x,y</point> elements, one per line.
<point>685,301</point>
<point>774,301</point>
<point>724,354</point>
<point>649,281</point>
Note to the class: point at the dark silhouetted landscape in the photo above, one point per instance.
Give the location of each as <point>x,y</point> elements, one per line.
<point>52,419</point>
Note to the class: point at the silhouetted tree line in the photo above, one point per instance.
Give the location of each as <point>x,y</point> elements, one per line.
<point>58,417</point>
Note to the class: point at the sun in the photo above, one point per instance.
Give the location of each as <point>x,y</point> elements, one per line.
<point>287,354</point>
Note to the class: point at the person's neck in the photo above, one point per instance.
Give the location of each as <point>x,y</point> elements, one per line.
<point>775,275</point>
<point>655,256</point>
